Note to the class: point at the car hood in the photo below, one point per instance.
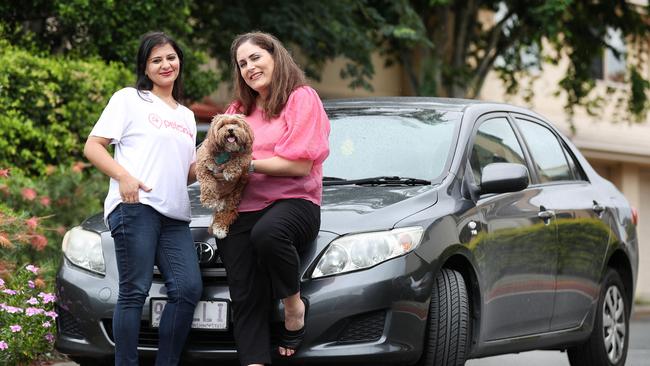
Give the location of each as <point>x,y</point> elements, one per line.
<point>345,209</point>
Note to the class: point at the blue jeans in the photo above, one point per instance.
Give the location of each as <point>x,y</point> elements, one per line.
<point>143,237</point>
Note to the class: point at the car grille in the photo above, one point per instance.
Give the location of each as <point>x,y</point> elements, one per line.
<point>67,325</point>
<point>364,328</point>
<point>209,276</point>
<point>197,339</point>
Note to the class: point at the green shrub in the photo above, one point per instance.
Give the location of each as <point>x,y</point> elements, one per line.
<point>54,202</point>
<point>49,104</point>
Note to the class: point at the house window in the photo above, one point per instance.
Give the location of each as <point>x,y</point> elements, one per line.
<point>609,66</point>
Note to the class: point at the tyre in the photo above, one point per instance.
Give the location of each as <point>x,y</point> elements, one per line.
<point>449,323</point>
<point>608,342</point>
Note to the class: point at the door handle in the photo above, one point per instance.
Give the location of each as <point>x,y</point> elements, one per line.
<point>546,214</point>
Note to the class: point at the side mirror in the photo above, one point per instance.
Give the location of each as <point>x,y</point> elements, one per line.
<point>503,177</point>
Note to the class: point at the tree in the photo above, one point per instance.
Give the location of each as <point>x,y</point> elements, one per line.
<point>451,45</point>
<point>109,29</point>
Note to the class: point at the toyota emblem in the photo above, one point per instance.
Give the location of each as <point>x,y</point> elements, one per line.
<point>204,251</point>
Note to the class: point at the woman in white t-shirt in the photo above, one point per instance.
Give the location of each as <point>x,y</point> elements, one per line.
<point>147,207</point>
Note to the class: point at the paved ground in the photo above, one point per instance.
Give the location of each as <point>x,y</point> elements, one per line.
<point>638,353</point>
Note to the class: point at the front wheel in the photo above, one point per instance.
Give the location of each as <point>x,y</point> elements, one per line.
<point>449,322</point>
<point>608,342</point>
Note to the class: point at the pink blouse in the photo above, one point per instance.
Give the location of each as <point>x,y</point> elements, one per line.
<point>301,131</point>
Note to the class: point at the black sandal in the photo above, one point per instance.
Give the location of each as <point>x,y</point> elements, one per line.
<point>292,339</point>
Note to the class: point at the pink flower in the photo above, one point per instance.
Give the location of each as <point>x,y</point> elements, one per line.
<point>2,282</point>
<point>31,284</point>
<point>39,242</point>
<point>32,268</point>
<point>32,222</point>
<point>51,314</point>
<point>78,167</point>
<point>3,345</point>
<point>12,310</point>
<point>45,201</point>
<point>4,241</point>
<point>47,324</point>
<point>32,301</point>
<point>60,230</point>
<point>15,328</point>
<point>33,311</point>
<point>4,173</point>
<point>49,337</point>
<point>9,291</point>
<point>29,194</point>
<point>47,298</point>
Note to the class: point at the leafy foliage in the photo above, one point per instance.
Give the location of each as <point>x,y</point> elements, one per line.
<point>27,318</point>
<point>106,29</point>
<point>48,106</point>
<point>459,42</point>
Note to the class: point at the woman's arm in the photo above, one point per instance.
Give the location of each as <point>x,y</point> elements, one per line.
<point>191,175</point>
<point>282,167</point>
<point>95,151</point>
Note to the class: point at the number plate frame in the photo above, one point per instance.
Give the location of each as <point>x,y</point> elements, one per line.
<point>203,308</point>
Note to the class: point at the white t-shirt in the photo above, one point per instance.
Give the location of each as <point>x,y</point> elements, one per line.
<point>155,143</point>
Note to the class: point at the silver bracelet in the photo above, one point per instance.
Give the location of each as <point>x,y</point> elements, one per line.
<point>251,167</point>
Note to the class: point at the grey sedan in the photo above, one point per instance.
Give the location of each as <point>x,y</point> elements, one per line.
<point>451,229</point>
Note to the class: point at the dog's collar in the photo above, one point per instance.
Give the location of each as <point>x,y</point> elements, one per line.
<point>224,156</point>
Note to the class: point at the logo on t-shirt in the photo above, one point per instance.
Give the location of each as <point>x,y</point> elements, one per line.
<point>158,122</point>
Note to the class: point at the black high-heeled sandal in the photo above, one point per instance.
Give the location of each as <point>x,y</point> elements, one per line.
<point>292,339</point>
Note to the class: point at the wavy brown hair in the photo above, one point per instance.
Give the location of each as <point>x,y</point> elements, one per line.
<point>287,75</point>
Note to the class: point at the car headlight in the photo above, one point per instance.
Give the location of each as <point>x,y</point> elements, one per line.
<point>84,249</point>
<point>358,251</point>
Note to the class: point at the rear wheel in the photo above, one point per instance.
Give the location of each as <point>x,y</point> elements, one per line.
<point>449,322</point>
<point>607,345</point>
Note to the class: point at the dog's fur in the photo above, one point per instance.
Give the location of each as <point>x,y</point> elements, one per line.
<point>229,138</point>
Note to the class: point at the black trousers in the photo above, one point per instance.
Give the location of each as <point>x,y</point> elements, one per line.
<point>260,255</point>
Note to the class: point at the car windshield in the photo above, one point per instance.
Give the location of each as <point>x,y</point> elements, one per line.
<point>367,143</point>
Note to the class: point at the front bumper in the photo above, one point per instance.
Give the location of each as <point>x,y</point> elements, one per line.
<point>374,315</point>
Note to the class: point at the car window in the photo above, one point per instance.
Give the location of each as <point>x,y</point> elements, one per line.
<point>381,142</point>
<point>495,142</point>
<point>546,152</point>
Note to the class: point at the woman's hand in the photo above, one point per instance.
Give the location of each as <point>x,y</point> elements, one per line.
<point>130,189</point>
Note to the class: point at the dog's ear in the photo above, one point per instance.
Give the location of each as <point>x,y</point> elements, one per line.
<point>246,127</point>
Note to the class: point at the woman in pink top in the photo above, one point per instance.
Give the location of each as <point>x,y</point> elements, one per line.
<point>280,207</point>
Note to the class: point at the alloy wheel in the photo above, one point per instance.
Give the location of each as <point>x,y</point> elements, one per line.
<point>614,328</point>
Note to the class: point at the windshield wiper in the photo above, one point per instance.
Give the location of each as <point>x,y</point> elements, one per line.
<point>376,181</point>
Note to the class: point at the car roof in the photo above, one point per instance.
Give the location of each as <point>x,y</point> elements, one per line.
<point>457,104</point>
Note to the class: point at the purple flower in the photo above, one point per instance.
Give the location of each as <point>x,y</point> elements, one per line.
<point>15,328</point>
<point>32,301</point>
<point>47,324</point>
<point>32,268</point>
<point>47,298</point>
<point>33,311</point>
<point>13,310</point>
<point>31,284</point>
<point>9,291</point>
<point>2,282</point>
<point>51,314</point>
<point>49,337</point>
<point>3,345</point>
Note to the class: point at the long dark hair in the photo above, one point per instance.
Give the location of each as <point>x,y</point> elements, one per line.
<point>286,77</point>
<point>147,42</point>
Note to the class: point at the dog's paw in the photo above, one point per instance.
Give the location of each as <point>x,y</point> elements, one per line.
<point>229,176</point>
<point>219,232</point>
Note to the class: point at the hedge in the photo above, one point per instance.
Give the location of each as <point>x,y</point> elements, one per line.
<point>48,105</point>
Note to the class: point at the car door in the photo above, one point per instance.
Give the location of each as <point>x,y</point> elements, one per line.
<point>583,231</point>
<point>516,256</point>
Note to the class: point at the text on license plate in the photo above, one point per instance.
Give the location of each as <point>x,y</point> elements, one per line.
<point>209,314</point>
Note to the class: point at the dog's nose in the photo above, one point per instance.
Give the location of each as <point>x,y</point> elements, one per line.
<point>231,130</point>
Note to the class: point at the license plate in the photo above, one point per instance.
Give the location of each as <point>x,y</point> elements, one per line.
<point>209,314</point>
